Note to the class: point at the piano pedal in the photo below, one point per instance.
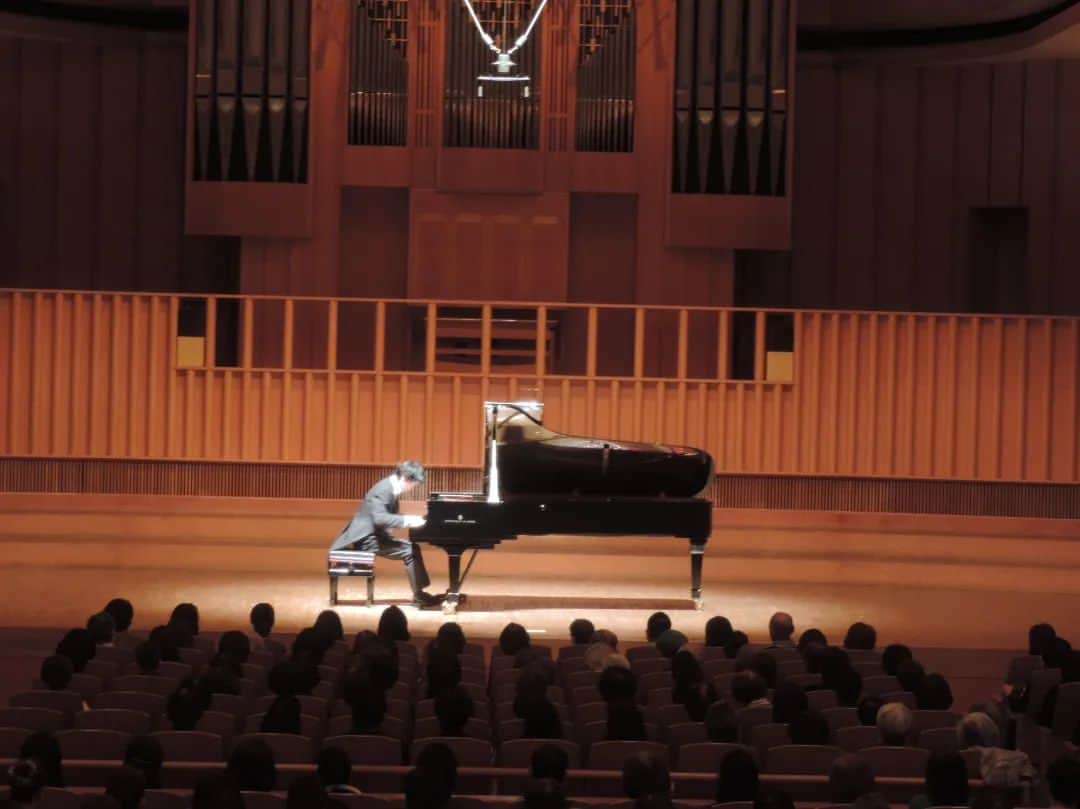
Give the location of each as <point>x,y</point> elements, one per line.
<point>451,603</point>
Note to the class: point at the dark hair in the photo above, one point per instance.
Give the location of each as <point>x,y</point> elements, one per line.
<point>56,671</point>
<point>305,792</point>
<point>868,708</point>
<point>809,727</point>
<point>393,625</point>
<point>122,613</point>
<point>848,686</point>
<point>309,646</point>
<point>947,780</point>
<point>283,716</point>
<point>781,626</point>
<point>185,615</point>
<point>616,683</point>
<point>262,618</point>
<point>738,777</point>
<point>541,720</point>
<point>1040,637</point>
<point>695,698</point>
<point>644,775</point>
<point>736,641</point>
<point>290,678</point>
<point>252,766</point>
<point>438,764</point>
<point>1057,653</point>
<point>379,661</point>
<point>186,707</point>
<point>531,686</point>
<point>453,708</point>
<point>144,753</point>
<point>328,622</point>
<point>334,766</point>
<point>581,631</point>
<point>893,655</point>
<point>935,694</point>
<point>747,686</point>
<point>811,637</point>
<point>765,665</point>
<point>424,792</point>
<point>549,761</point>
<point>99,801</point>
<point>1063,779</point>
<point>126,785</point>
<point>910,674</point>
<point>101,626</point>
<point>860,636</point>
<point>367,701</point>
<point>721,722</point>
<point>410,470</point>
<point>544,793</point>
<point>451,636</point>
<point>45,750</point>
<point>718,631</point>
<point>148,657</point>
<point>849,777</point>
<point>78,646</point>
<point>789,700</point>
<point>625,721</point>
<point>169,640</point>
<point>513,639</point>
<point>25,778</point>
<point>234,644</point>
<point>443,669</point>
<point>773,798</point>
<point>657,625</point>
<point>216,791</point>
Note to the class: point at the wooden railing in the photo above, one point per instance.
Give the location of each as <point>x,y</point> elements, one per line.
<point>868,394</point>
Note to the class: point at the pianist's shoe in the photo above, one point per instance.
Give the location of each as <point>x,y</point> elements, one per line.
<point>425,600</point>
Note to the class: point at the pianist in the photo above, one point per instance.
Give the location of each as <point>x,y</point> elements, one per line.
<point>369,529</point>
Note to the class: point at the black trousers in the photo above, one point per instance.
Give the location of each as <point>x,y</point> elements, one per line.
<point>403,549</point>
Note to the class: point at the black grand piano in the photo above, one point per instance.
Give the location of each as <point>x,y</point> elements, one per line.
<point>537,481</point>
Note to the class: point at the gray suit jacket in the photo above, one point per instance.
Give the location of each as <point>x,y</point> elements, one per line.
<point>376,516</point>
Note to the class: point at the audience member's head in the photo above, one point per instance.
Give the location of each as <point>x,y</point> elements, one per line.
<point>765,665</point>
<point>910,674</point>
<point>848,686</point>
<point>328,623</point>
<point>868,708</point>
<point>747,687</point>
<point>718,631</point>
<point>596,656</point>
<point>789,700</point>
<point>56,672</point>
<point>860,636</point>
<point>871,800</point>
<point>122,613</point>
<point>947,780</point>
<point>25,779</point>
<point>393,625</point>
<point>186,707</point>
<point>606,637</point>
<point>379,661</point>
<point>168,640</point>
<point>148,657</point>
<point>453,708</point>
<point>849,777</point>
<point>512,639</point>
<point>306,792</point>
<point>289,678</point>
<point>670,641</point>
<point>451,636</point>
<point>185,616</point>
<point>541,720</point>
<point>581,631</point>
<point>721,722</point>
<point>1063,781</point>
<point>262,619</point>
<point>738,777</point>
<point>235,645</point>
<point>1057,653</point>
<point>894,721</point>
<point>809,727</point>
<point>438,765</point>
<point>252,766</point>
<point>443,669</point>
<point>101,627</point>
<point>735,642</point>
<point>781,627</point>
<point>334,767</point>
<point>773,798</point>
<point>544,793</point>
<point>144,753</point>
<point>309,647</point>
<point>422,792</point>
<point>893,655</point>
<point>977,729</point>
<point>283,716</point>
<point>935,694</point>
<point>126,786</point>
<point>78,646</point>
<point>216,790</point>
<point>368,702</point>
<point>617,683</point>
<point>686,669</point>
<point>1040,638</point>
<point>43,748</point>
<point>549,761</point>
<point>625,721</point>
<point>658,624</point>
<point>811,637</point>
<point>645,775</point>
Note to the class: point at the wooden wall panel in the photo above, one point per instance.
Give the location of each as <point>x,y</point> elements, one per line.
<point>934,232</point>
<point>10,89</point>
<point>1006,133</point>
<point>898,139</point>
<point>1065,282</point>
<point>1039,147</point>
<point>855,210</point>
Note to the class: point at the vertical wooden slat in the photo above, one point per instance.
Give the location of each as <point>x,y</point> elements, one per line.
<point>61,399</point>
<point>332,335</point>
<point>723,340</point>
<point>994,431</point>
<point>799,383</point>
<point>639,372</point>
<point>114,397</point>
<point>1020,391</point>
<point>34,352</point>
<point>541,341</point>
<point>354,416</point>
<point>851,381</point>
<point>952,395</point>
<point>1047,397</point>
<point>834,392</point>
<point>247,333</point>
<point>226,414</point>
<point>136,350</point>
<point>814,420</point>
<point>759,346</point>
<point>76,347</point>
<point>170,370</point>
<point>403,421</point>
<point>210,355</point>
<point>874,433</point>
<point>306,416</point>
<point>681,364</point>
<point>976,398</point>
<point>591,320</point>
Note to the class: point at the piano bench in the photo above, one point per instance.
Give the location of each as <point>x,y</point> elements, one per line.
<point>351,563</point>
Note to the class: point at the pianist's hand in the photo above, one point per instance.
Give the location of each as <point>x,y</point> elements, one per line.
<point>414,521</point>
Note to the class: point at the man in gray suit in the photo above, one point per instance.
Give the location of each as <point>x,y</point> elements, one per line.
<point>369,529</point>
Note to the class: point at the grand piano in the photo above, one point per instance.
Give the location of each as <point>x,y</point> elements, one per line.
<point>538,481</point>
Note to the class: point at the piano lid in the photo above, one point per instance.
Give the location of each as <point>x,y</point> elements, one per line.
<point>522,456</point>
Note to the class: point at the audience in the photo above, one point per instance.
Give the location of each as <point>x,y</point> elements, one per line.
<point>393,625</point>
<point>646,777</point>
<point>148,658</point>
<point>868,708</point>
<point>283,716</point>
<point>946,782</point>
<point>101,627</point>
<point>216,791</point>
<point>581,631</point>
<point>850,777</point>
<point>910,674</point>
<point>657,625</point>
<point>894,721</point>
<point>1063,781</point>
<point>144,753</point>
<point>669,642</point>
<point>893,655</point>
<point>77,646</point>
<point>811,637</point>
<point>860,636</point>
<point>809,727</point>
<point>934,694</point>
<point>42,747</point>
<point>251,766</point>
<point>781,628</point>
<point>736,641</point>
<point>122,614</point>
<point>718,631</point>
<point>56,672</point>
<point>186,706</point>
<point>454,708</point>
<point>335,772</point>
<point>549,762</point>
<point>789,700</point>
<point>25,779</point>
<point>512,639</point>
<point>749,690</point>
<point>431,783</point>
<point>738,777</point>
<point>721,723</point>
<point>185,617</point>
<point>544,793</point>
<point>126,786</point>
<point>262,624</point>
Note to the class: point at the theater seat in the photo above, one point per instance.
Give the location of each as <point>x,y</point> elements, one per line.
<point>896,762</point>
<point>11,741</point>
<point>263,800</point>
<point>610,755</point>
<point>518,752</point>
<point>126,721</point>
<point>469,752</point>
<point>706,756</point>
<point>32,718</point>
<point>93,744</point>
<point>367,749</point>
<point>801,759</point>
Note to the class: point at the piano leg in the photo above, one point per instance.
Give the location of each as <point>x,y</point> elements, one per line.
<point>453,594</point>
<point>697,553</point>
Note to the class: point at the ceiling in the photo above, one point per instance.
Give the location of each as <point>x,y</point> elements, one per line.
<point>879,15</point>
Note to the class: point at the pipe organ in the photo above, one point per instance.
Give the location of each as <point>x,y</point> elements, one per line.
<point>605,76</point>
<point>379,73</point>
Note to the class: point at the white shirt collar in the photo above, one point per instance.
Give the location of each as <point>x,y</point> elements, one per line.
<point>396,483</point>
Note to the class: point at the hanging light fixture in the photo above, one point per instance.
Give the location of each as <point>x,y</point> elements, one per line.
<point>504,64</point>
